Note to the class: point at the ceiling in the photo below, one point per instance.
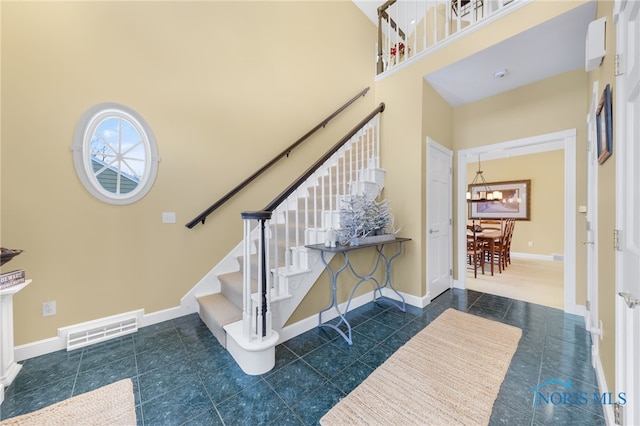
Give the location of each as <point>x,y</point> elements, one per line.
<point>551,48</point>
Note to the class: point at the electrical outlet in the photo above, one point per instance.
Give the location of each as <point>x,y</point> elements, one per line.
<point>48,309</point>
<point>530,243</point>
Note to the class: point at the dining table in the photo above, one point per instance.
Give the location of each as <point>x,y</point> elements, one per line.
<point>490,237</point>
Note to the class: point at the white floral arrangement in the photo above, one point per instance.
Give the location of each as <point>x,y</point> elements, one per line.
<point>362,216</point>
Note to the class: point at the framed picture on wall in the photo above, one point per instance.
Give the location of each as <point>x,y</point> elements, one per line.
<point>604,126</point>
<point>515,202</point>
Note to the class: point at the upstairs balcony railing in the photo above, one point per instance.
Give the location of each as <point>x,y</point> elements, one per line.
<point>408,28</point>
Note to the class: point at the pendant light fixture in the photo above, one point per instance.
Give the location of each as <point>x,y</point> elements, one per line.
<point>485,193</point>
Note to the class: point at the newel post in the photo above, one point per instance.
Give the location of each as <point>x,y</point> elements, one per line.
<point>262,324</point>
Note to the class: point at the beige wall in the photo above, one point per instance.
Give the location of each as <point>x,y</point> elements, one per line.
<point>557,104</point>
<point>410,99</point>
<point>548,106</point>
<point>215,80</point>
<point>437,124</point>
<point>214,87</point>
<point>546,172</point>
<point>403,156</point>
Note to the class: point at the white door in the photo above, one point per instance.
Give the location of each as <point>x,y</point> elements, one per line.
<point>592,321</point>
<point>627,152</point>
<point>439,218</point>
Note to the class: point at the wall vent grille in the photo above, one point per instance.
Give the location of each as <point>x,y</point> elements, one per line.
<point>98,331</point>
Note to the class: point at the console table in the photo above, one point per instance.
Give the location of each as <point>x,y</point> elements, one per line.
<point>380,258</point>
<point>9,368</point>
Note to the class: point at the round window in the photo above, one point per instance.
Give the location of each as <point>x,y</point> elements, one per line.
<point>115,153</point>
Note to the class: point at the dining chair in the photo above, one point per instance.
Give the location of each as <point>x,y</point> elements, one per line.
<point>494,248</point>
<point>475,251</point>
<point>508,236</point>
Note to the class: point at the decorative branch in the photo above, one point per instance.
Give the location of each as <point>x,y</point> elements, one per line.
<point>361,216</point>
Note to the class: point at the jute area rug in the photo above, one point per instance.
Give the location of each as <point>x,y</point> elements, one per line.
<point>111,405</point>
<point>448,374</point>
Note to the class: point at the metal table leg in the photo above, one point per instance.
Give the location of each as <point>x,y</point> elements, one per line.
<point>334,301</point>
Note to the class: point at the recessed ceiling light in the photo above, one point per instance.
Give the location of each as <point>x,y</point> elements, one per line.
<point>500,73</point>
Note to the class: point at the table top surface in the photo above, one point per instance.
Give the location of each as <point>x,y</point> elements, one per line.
<point>14,288</point>
<point>339,248</point>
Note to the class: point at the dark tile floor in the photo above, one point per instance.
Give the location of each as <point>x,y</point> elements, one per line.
<point>182,375</point>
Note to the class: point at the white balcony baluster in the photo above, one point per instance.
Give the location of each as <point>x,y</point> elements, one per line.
<point>427,21</point>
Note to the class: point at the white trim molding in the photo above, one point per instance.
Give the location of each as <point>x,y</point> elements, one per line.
<point>58,343</point>
<point>302,326</point>
<point>563,140</point>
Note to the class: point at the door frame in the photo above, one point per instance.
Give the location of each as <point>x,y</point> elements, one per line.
<point>435,145</point>
<point>563,140</point>
<point>592,322</point>
<point>627,331</point>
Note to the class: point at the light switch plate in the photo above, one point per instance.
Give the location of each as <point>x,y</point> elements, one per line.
<point>169,217</point>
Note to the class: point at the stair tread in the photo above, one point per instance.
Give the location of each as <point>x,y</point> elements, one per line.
<point>219,307</point>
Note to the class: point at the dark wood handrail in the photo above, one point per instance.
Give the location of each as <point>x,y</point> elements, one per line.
<point>382,13</point>
<point>203,216</point>
<point>266,212</point>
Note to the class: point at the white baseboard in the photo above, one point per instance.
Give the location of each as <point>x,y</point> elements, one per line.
<point>302,326</point>
<point>419,302</point>
<point>166,315</point>
<point>602,387</point>
<point>41,347</point>
<point>457,284</point>
<point>516,255</point>
<point>579,310</point>
<point>53,344</point>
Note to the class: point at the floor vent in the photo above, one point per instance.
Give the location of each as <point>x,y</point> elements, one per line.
<point>92,332</point>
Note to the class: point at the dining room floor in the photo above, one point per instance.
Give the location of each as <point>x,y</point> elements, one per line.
<point>537,281</point>
<point>182,375</point>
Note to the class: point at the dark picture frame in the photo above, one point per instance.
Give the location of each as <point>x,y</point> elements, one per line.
<point>509,207</point>
<point>604,126</point>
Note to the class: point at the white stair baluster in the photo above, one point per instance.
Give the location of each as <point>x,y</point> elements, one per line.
<point>265,328</point>
<point>246,297</point>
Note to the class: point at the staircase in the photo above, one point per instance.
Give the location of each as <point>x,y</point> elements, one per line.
<point>231,299</point>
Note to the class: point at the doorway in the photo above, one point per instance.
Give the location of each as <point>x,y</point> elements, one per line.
<point>627,254</point>
<point>565,140</point>
<point>439,210</point>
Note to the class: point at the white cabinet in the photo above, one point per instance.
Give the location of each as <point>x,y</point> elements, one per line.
<point>9,368</point>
